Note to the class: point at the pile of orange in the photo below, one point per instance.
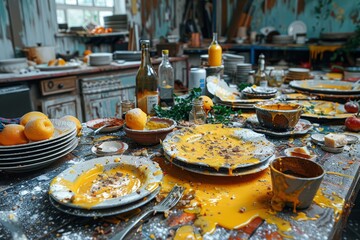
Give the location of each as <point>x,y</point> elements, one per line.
<point>34,126</point>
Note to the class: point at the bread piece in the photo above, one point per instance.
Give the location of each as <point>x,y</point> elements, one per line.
<point>302,152</point>
<point>335,140</point>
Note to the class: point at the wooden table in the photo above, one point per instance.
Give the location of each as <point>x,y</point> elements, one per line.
<point>26,195</point>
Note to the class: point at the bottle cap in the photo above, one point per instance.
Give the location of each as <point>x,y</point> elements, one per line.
<point>165,51</point>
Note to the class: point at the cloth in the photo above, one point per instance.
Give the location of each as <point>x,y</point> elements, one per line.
<point>5,121</point>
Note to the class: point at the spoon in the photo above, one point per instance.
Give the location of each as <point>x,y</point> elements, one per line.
<point>100,128</point>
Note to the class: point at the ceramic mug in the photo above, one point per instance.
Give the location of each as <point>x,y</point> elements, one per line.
<point>295,182</point>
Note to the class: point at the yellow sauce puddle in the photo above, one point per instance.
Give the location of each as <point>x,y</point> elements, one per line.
<point>91,188</point>
<point>233,202</point>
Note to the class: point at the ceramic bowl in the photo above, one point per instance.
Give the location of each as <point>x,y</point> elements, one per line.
<point>279,116</point>
<point>151,137</point>
<point>13,65</point>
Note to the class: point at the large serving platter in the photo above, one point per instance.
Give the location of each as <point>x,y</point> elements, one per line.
<point>62,130</point>
<point>68,66</point>
<point>150,171</point>
<point>211,157</point>
<point>325,87</point>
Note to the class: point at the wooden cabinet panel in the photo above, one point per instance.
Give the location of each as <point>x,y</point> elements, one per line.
<point>58,85</point>
<point>61,106</point>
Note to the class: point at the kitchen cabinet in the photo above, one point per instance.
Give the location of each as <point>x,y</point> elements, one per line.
<point>102,96</point>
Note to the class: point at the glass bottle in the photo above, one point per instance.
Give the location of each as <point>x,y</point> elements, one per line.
<point>126,105</point>
<point>197,114</point>
<point>215,52</point>
<point>251,77</point>
<point>147,95</point>
<point>260,75</point>
<point>166,81</point>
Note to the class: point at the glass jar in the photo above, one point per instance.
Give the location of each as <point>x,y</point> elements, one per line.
<point>126,105</point>
<point>215,52</point>
<point>276,77</point>
<point>197,114</point>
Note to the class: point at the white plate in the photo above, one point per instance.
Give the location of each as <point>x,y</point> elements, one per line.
<point>107,211</point>
<point>43,163</point>
<point>288,152</point>
<point>297,27</point>
<point>62,129</point>
<point>110,147</point>
<point>331,149</point>
<point>318,138</point>
<point>45,67</point>
<point>30,156</point>
<point>117,123</point>
<point>151,171</point>
<point>302,127</point>
<point>325,86</point>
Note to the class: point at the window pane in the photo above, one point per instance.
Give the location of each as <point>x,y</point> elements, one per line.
<point>60,1</point>
<point>100,3</point>
<point>91,17</point>
<point>109,3</point>
<point>60,16</point>
<point>85,2</point>
<point>103,14</point>
<point>75,17</point>
<point>70,2</point>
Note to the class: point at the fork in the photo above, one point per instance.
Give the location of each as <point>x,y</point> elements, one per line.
<point>166,204</point>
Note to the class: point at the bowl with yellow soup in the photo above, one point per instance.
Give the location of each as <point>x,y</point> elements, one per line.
<point>155,130</point>
<point>278,116</point>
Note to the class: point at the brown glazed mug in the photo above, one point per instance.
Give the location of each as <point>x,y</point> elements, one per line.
<point>295,182</point>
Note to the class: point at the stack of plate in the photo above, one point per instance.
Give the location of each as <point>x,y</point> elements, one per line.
<point>297,74</point>
<point>242,72</point>
<point>151,176</point>
<point>336,38</point>
<point>282,39</point>
<point>239,103</point>
<point>100,59</point>
<point>36,155</point>
<point>127,55</point>
<point>118,23</point>
<point>230,64</point>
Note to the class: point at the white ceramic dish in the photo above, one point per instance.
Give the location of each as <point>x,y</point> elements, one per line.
<point>325,86</point>
<point>318,138</point>
<point>150,170</point>
<point>111,147</point>
<point>62,130</point>
<point>41,164</point>
<point>104,212</point>
<point>297,27</point>
<point>68,66</point>
<point>291,152</point>
<point>115,124</point>
<point>332,150</point>
<point>13,65</point>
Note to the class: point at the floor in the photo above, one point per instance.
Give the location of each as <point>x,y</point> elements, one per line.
<point>352,230</point>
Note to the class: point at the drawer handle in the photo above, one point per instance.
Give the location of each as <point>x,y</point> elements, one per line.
<point>60,86</point>
<point>50,84</point>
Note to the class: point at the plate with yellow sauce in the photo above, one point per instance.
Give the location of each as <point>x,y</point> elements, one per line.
<point>106,182</point>
<point>318,109</point>
<point>326,86</point>
<point>213,149</point>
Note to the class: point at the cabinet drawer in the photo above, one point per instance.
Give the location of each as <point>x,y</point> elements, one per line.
<point>58,85</point>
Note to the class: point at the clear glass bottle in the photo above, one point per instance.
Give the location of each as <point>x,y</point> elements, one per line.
<point>215,52</point>
<point>260,75</point>
<point>251,79</point>
<point>197,114</point>
<point>147,95</point>
<point>166,81</point>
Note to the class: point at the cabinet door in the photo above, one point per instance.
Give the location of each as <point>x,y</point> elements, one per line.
<point>61,106</point>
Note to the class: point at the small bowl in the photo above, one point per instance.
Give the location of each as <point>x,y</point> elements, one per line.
<point>114,124</point>
<point>278,116</point>
<point>111,147</point>
<point>151,137</point>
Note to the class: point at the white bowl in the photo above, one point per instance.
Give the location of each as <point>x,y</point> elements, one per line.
<point>13,65</point>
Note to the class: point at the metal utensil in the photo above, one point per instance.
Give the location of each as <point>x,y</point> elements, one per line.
<point>167,203</point>
<point>9,221</point>
<point>100,128</point>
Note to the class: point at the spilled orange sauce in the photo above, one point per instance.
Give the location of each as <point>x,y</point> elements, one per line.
<point>87,195</point>
<point>301,216</point>
<point>186,232</point>
<point>230,202</point>
<point>332,201</point>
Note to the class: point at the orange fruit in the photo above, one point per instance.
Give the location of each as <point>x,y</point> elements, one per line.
<point>136,119</point>
<point>207,103</point>
<point>39,129</point>
<point>60,62</point>
<point>52,62</point>
<point>30,116</point>
<point>87,52</point>
<point>13,134</point>
<point>74,120</point>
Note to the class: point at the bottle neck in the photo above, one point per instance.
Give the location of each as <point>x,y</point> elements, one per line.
<point>165,58</point>
<point>145,56</point>
<point>262,65</point>
<point>215,38</point>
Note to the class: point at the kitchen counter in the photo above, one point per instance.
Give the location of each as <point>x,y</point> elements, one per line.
<point>82,70</point>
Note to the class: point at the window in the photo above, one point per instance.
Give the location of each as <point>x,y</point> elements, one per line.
<point>83,12</point>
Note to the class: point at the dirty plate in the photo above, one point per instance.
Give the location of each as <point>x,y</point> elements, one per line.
<point>331,149</point>
<point>114,124</point>
<point>318,138</point>
<point>149,173</point>
<point>111,147</point>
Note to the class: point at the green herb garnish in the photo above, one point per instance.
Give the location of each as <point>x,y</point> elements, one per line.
<point>242,86</point>
<point>222,114</point>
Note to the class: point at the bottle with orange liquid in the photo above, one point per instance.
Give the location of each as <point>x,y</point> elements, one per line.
<point>215,52</point>
<point>147,95</point>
